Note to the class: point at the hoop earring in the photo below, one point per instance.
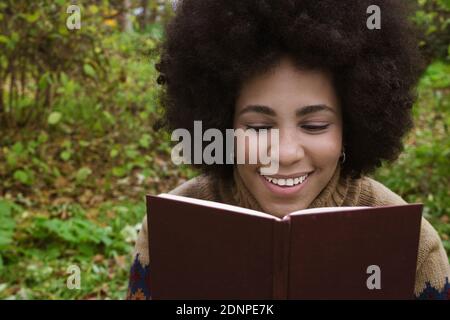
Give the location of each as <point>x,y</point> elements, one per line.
<point>343,157</point>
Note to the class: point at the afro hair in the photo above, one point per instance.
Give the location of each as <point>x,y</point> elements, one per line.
<point>212,46</point>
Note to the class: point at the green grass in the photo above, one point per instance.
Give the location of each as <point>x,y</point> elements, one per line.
<point>47,242</point>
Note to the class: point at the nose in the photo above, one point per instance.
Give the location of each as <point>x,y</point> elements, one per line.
<point>290,147</point>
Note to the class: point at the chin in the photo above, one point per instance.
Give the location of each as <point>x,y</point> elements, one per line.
<point>280,210</point>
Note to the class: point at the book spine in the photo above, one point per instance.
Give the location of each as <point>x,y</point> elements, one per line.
<point>281,236</point>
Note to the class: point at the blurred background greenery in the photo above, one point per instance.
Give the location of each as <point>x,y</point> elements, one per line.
<point>78,153</point>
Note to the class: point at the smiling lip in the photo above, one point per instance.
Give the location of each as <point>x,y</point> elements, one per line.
<point>285,190</point>
<point>289,176</point>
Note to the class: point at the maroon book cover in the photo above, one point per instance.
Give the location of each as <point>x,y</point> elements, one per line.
<point>208,250</point>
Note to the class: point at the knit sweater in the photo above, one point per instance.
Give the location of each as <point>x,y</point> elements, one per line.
<point>433,270</point>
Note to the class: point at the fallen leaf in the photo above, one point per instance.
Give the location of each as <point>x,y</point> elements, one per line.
<point>98,258</point>
<point>61,182</point>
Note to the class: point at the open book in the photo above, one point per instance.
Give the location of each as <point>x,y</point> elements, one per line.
<point>207,250</point>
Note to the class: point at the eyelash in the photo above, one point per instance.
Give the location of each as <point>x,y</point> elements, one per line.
<point>315,128</point>
<point>307,127</point>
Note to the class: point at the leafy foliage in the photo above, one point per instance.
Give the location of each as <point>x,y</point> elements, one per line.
<point>37,52</point>
<point>433,18</point>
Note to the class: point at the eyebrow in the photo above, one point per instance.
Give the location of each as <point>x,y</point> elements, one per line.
<point>312,109</point>
<point>300,112</point>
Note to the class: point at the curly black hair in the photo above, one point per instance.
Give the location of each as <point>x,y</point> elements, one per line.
<point>213,46</point>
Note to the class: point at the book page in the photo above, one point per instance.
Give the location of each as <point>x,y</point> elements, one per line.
<point>218,205</point>
<point>325,209</point>
<point>229,207</point>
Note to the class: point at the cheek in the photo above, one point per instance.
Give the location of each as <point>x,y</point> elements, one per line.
<point>248,175</point>
<point>325,150</point>
<point>250,146</point>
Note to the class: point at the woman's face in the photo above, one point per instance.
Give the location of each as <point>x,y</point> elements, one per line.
<point>303,106</point>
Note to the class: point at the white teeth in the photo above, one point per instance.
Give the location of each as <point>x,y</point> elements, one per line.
<point>286,182</point>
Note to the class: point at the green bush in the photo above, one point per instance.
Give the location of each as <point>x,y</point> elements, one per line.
<point>38,51</point>
<point>433,19</point>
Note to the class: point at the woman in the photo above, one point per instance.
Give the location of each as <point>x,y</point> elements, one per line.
<point>339,93</point>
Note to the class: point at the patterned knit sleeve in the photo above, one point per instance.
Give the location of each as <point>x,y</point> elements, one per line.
<point>433,272</point>
<point>139,278</point>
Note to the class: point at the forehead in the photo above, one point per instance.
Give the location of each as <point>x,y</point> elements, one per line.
<point>286,86</point>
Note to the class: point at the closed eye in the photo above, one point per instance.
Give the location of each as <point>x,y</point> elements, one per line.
<point>315,128</point>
